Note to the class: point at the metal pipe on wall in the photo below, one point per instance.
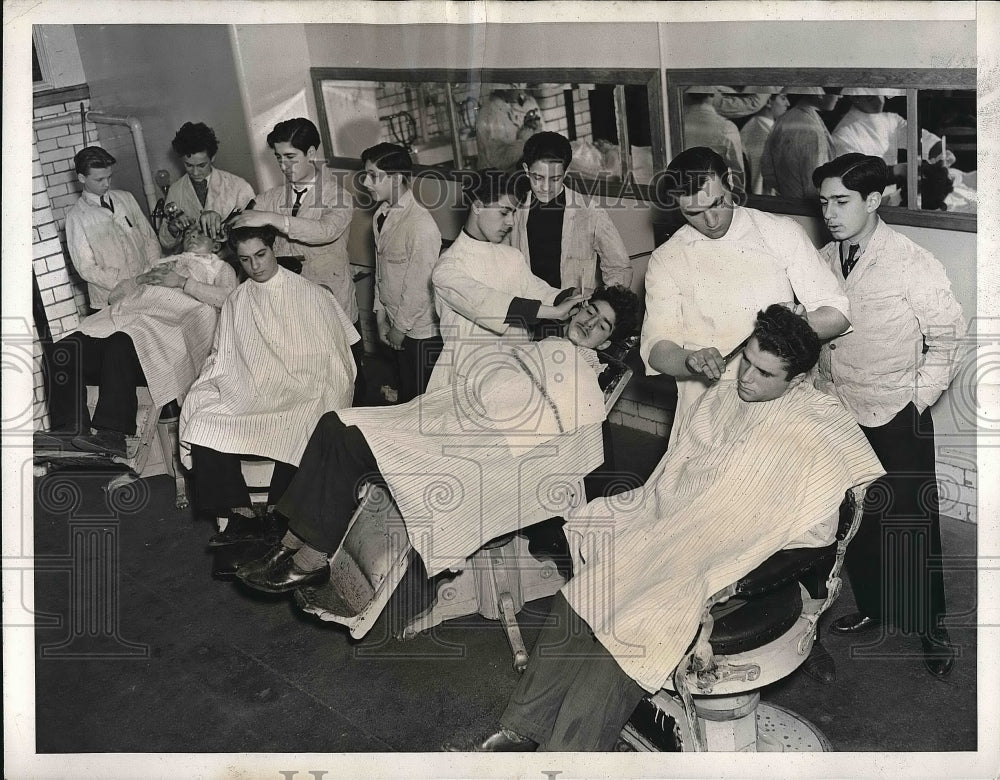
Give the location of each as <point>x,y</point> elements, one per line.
<point>138,140</point>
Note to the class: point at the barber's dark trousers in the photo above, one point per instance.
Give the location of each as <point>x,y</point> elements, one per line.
<point>360,383</point>
<point>321,500</point>
<point>219,482</point>
<point>894,562</point>
<point>573,695</point>
<point>110,363</point>
<point>415,363</point>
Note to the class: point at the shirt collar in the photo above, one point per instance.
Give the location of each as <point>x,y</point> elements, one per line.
<point>94,199</point>
<point>864,240</point>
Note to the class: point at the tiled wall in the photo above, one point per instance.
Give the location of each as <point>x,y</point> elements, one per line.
<point>54,189</point>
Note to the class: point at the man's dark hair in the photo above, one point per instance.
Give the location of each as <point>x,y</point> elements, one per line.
<point>391,158</point>
<point>92,157</point>
<point>299,132</point>
<point>626,306</point>
<point>488,186</point>
<point>265,233</point>
<point>689,171</point>
<point>194,137</point>
<point>547,146</point>
<point>784,333</point>
<point>862,173</point>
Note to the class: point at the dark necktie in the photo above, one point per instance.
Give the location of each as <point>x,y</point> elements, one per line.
<point>847,264</point>
<point>298,201</point>
<point>380,221</point>
<point>108,204</point>
<point>201,190</point>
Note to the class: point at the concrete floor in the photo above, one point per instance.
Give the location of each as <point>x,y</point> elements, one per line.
<point>167,660</point>
<point>172,661</point>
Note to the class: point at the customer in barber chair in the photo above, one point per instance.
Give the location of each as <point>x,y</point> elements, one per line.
<point>156,331</point>
<point>281,359</point>
<point>760,465</point>
<point>462,463</point>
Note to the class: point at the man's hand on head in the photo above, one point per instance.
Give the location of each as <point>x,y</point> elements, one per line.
<point>795,308</point>
<point>562,311</point>
<point>252,218</point>
<point>210,223</point>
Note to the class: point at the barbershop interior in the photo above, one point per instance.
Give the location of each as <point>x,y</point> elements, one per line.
<point>147,640</point>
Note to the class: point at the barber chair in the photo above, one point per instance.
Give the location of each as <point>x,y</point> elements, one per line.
<point>141,458</point>
<point>753,633</point>
<point>496,582</point>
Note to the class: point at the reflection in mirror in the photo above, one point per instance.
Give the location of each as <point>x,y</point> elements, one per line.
<point>948,179</point>
<point>485,124</point>
<point>774,137</point>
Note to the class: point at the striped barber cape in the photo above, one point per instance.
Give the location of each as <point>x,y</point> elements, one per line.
<point>492,453</point>
<point>740,482</point>
<point>172,331</point>
<point>281,360</point>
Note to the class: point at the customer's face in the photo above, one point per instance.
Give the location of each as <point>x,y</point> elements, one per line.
<point>710,209</point>
<point>592,324</point>
<point>257,259</point>
<point>196,241</point>
<point>763,376</point>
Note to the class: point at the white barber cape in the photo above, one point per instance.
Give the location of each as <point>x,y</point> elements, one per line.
<point>492,453</point>
<point>171,330</point>
<point>474,284</point>
<point>281,360</point>
<point>740,482</point>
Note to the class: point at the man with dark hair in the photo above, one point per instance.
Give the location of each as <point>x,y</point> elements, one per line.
<point>775,452</point>
<point>705,284</point>
<point>310,211</point>
<point>204,194</point>
<point>472,437</point>
<point>407,245</point>
<point>888,371</point>
<point>281,359</point>
<point>483,288</point>
<point>108,236</point>
<point>562,233</point>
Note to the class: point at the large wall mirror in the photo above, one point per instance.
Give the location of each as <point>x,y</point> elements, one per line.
<point>458,119</point>
<point>775,125</point>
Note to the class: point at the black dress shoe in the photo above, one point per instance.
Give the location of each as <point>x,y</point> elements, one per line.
<point>104,442</point>
<point>239,529</point>
<point>273,557</point>
<point>503,741</point>
<point>820,665</point>
<point>227,560</point>
<point>283,577</point>
<point>939,654</point>
<point>854,623</point>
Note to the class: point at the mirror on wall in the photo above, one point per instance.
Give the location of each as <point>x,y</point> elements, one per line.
<point>449,121</point>
<point>775,126</point>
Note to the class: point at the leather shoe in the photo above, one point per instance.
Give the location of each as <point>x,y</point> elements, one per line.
<point>939,654</point>
<point>104,442</point>
<point>503,741</point>
<point>274,556</point>
<point>240,528</point>
<point>820,665</point>
<point>854,623</point>
<point>284,576</point>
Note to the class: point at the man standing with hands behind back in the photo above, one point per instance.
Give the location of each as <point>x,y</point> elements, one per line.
<point>888,372</point>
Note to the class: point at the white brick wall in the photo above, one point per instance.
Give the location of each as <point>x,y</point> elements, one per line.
<point>54,189</point>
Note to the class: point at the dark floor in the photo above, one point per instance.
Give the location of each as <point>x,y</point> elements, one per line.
<point>166,659</point>
<point>188,664</point>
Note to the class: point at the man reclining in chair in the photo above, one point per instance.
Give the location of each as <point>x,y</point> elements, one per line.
<point>156,330</point>
<point>464,464</point>
<point>760,464</point>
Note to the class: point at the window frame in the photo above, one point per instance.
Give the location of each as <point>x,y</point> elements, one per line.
<point>648,77</point>
<point>911,80</point>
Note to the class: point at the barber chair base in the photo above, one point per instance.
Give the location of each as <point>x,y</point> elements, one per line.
<point>752,726</point>
<point>498,580</point>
